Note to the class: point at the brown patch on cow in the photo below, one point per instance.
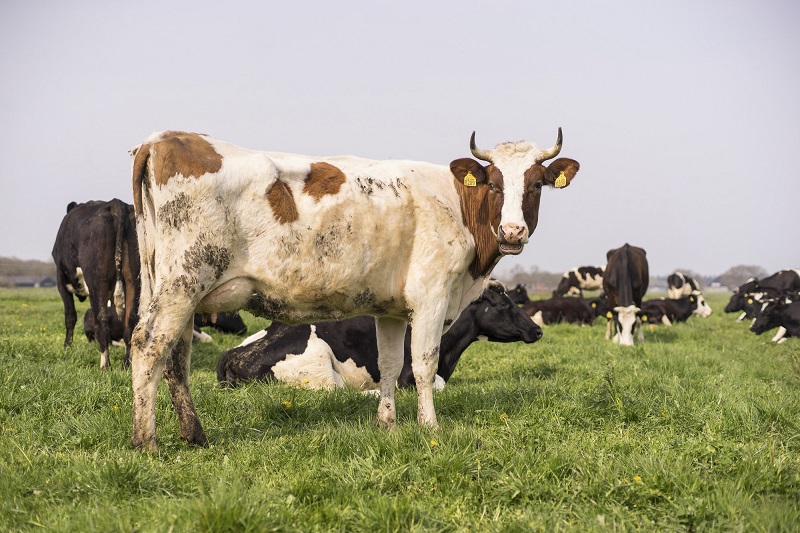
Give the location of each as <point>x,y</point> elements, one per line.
<point>322,179</point>
<point>183,153</point>
<point>476,215</point>
<point>282,203</point>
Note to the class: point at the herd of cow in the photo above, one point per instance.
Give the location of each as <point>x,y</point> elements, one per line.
<point>342,254</point>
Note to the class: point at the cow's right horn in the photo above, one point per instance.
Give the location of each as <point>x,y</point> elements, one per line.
<point>552,152</point>
<point>484,155</point>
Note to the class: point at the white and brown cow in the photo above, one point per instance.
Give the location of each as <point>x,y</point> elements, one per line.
<point>297,238</point>
<point>625,283</point>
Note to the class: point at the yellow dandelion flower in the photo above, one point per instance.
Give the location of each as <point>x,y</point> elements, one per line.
<point>116,408</point>
<point>287,404</point>
<point>504,417</point>
<point>637,479</point>
<point>434,444</point>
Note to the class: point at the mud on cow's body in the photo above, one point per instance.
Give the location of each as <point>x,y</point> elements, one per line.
<point>297,238</point>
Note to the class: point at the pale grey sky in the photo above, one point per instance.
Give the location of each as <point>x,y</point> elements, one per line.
<point>685,115</point>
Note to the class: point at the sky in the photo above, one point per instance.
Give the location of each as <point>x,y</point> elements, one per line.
<point>684,115</point>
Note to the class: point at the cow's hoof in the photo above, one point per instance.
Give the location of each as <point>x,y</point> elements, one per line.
<point>149,446</point>
<point>388,424</point>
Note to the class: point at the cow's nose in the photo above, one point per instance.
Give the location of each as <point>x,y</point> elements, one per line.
<point>513,234</point>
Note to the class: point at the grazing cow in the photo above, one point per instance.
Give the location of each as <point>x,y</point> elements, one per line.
<point>579,279</point>
<point>297,238</point>
<point>680,285</point>
<point>344,353</point>
<point>782,312</point>
<point>783,280</point>
<point>519,294</point>
<point>624,283</point>
<point>571,310</point>
<point>669,310</point>
<point>226,322</point>
<point>96,256</point>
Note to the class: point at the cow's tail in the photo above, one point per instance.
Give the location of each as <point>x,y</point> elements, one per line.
<point>145,220</point>
<point>119,288</point>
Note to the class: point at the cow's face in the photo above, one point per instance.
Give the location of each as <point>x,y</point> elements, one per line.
<point>501,320</point>
<point>767,319</point>
<point>511,187</point>
<point>699,305</point>
<point>626,322</point>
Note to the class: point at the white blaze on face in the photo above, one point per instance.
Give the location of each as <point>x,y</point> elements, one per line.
<point>513,159</point>
<point>626,316</point>
<point>703,309</point>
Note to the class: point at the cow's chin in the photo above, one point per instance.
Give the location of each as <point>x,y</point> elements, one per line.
<point>510,249</point>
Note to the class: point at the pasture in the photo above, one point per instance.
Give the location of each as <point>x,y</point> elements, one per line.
<point>696,430</point>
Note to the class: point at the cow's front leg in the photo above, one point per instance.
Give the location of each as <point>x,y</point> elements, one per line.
<point>426,336</point>
<point>176,373</point>
<point>641,329</point>
<point>391,333</point>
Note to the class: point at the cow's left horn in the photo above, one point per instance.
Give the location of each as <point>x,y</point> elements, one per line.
<point>484,155</point>
<point>552,152</point>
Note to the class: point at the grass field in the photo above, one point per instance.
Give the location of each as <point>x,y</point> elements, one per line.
<point>696,430</point>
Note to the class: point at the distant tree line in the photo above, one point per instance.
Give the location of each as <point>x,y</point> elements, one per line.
<point>11,267</point>
<point>536,279</point>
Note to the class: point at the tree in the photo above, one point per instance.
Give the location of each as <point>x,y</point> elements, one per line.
<point>738,275</point>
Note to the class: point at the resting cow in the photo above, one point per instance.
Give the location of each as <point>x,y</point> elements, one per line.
<point>519,294</point>
<point>783,280</point>
<point>344,353</point>
<point>783,312</point>
<point>579,279</point>
<point>96,256</point>
<point>296,238</point>
<point>680,285</point>
<point>624,283</point>
<point>669,310</point>
<point>571,310</point>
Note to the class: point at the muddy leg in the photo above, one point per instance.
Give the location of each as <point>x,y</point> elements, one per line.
<point>391,334</point>
<point>176,373</point>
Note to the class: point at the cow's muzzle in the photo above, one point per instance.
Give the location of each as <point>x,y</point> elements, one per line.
<point>511,238</point>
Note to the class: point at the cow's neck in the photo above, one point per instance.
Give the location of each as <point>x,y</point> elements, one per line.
<point>475,215</point>
<point>454,343</point>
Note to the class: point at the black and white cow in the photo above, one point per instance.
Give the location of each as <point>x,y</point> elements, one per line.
<point>783,312</point>
<point>783,280</point>
<point>680,285</point>
<point>579,279</point>
<point>96,256</point>
<point>625,282</point>
<point>344,353</point>
<point>669,310</point>
<point>555,310</point>
<point>519,294</point>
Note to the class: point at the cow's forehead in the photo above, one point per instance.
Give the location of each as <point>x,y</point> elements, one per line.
<point>513,159</point>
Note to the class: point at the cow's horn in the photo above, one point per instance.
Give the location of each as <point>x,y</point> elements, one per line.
<point>484,155</point>
<point>552,152</point>
<point>496,285</point>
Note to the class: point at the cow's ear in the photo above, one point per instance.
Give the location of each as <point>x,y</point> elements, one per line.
<point>560,172</point>
<point>468,172</point>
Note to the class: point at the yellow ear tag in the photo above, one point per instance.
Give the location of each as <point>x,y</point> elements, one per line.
<point>644,318</point>
<point>469,180</point>
<point>594,305</point>
<point>750,301</point>
<point>561,181</point>
<point>609,315</point>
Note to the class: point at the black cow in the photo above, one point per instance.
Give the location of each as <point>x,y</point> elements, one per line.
<point>624,283</point>
<point>669,310</point>
<point>344,352</point>
<point>579,279</point>
<point>782,312</point>
<point>783,280</point>
<point>97,256</point>
<point>680,285</point>
<point>519,294</point>
<point>571,310</point>
<point>116,328</point>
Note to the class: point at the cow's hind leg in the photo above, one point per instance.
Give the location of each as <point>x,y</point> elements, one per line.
<point>176,373</point>
<point>153,339</point>
<point>70,315</point>
<point>391,333</point>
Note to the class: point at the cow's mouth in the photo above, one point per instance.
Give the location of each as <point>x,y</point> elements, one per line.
<point>510,249</point>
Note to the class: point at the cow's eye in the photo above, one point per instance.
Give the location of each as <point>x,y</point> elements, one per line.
<point>538,185</point>
<point>491,186</point>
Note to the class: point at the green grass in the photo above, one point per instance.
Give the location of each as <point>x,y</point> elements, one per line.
<point>696,430</point>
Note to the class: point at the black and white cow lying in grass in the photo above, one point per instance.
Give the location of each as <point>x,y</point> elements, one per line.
<point>326,355</point>
<point>669,310</point>
<point>783,313</point>
<point>572,310</point>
